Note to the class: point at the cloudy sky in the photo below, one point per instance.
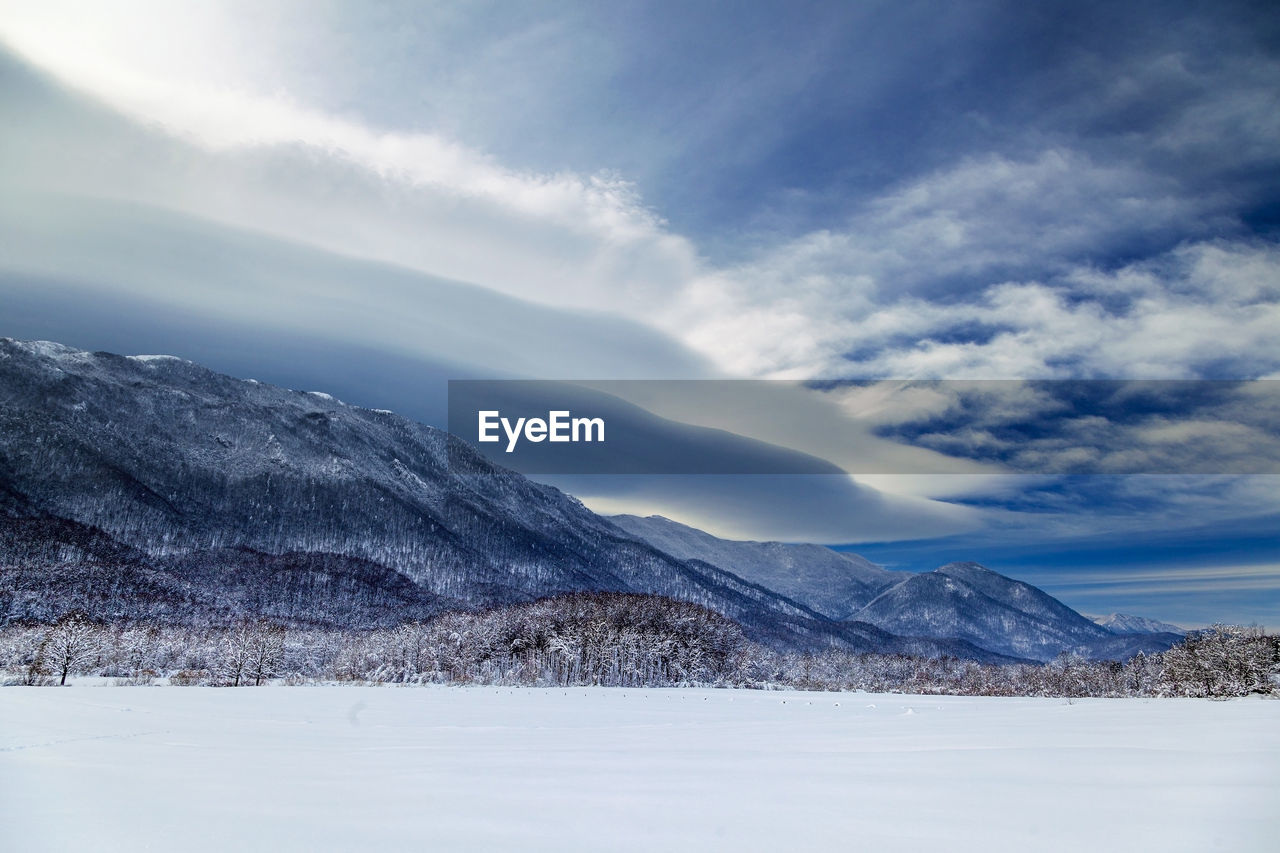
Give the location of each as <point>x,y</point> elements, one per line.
<point>373,197</point>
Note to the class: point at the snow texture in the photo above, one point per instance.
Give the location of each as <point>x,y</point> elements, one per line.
<point>364,768</point>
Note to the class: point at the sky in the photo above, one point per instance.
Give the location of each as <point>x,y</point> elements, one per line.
<point>371,198</point>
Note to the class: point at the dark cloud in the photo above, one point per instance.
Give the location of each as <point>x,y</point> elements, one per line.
<point>1103,426</point>
<point>125,275</point>
<point>770,119</point>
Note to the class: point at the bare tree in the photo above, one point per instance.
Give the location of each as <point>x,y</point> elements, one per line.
<point>266,652</point>
<point>253,650</point>
<point>71,642</point>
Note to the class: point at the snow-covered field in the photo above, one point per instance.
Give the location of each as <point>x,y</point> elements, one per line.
<point>384,768</point>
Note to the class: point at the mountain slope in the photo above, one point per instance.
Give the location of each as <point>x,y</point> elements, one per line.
<point>210,489</point>
<point>958,602</point>
<point>1022,597</point>
<point>151,488</point>
<point>49,566</point>
<point>969,602</point>
<point>832,583</point>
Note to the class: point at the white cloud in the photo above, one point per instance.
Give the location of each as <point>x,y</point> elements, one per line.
<point>979,269</point>
<point>273,164</point>
<point>1163,581</point>
<point>1204,308</point>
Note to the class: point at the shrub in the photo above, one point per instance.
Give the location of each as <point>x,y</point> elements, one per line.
<point>189,678</point>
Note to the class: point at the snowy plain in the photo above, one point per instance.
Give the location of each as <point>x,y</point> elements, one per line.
<point>482,768</point>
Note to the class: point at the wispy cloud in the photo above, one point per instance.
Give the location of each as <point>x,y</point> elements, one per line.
<point>1266,575</point>
<point>261,159</point>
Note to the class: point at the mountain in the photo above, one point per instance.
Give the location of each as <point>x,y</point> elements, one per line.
<point>1126,623</point>
<point>957,602</point>
<point>832,583</point>
<point>967,601</point>
<point>151,487</point>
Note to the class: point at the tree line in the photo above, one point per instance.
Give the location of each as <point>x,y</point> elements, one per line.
<point>606,639</point>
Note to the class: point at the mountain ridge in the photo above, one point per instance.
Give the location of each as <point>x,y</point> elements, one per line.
<point>209,496</point>
<point>959,601</point>
<point>171,459</point>
<point>832,583</point>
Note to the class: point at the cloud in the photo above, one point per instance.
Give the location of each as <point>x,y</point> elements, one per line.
<point>1083,426</point>
<point>1116,220</point>
<point>1073,250</point>
<point>977,193</point>
<point>791,508</point>
<point>1203,309</point>
<point>1192,596</point>
<point>1267,574</point>
<point>227,151</point>
<point>1134,506</point>
<point>1182,104</point>
<point>89,266</point>
<point>1196,595</point>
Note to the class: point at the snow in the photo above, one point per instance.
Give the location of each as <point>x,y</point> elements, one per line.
<point>1127,623</point>
<point>347,768</point>
<point>151,359</point>
<point>46,349</point>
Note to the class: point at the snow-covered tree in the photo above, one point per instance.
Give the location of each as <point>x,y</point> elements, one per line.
<point>252,651</point>
<point>72,642</point>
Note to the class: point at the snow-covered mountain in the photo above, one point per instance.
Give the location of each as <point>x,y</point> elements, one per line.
<point>151,487</point>
<point>959,601</point>
<point>833,583</point>
<point>1127,623</point>
<point>967,601</point>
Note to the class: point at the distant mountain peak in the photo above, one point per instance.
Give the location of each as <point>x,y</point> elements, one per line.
<point>967,601</point>
<point>44,348</point>
<point>964,566</point>
<point>1127,623</point>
